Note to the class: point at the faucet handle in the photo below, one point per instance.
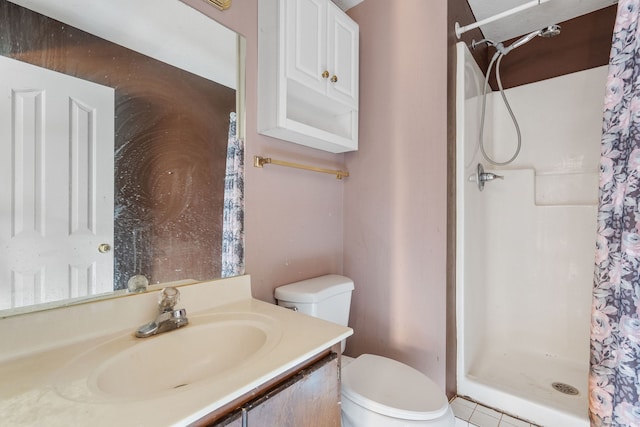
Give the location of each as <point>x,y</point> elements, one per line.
<point>167,299</point>
<point>489,176</point>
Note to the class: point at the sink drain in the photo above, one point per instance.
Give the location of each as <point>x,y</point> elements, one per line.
<point>565,389</point>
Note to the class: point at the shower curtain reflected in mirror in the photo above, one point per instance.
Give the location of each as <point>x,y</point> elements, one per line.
<point>233,211</point>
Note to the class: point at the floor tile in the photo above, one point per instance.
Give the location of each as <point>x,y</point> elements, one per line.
<point>480,419</point>
<point>508,421</point>
<point>465,402</point>
<point>489,411</point>
<point>477,415</point>
<point>461,410</point>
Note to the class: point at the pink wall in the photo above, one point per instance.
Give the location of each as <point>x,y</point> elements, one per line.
<point>394,208</point>
<point>395,201</point>
<point>293,218</point>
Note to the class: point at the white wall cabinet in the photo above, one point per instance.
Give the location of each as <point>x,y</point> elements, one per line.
<point>308,74</point>
<point>322,49</point>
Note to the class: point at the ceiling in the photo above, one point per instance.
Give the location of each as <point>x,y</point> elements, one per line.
<point>547,13</point>
<point>202,46</point>
<point>347,4</point>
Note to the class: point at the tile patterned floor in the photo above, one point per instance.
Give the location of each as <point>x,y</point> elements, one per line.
<point>471,414</point>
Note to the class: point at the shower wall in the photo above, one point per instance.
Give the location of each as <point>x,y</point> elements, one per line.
<point>526,243</point>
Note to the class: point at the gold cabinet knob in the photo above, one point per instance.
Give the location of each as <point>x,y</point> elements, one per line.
<point>103,248</point>
<point>325,75</point>
<point>334,79</point>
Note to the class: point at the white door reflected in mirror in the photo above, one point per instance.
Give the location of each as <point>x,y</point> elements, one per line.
<point>59,186</point>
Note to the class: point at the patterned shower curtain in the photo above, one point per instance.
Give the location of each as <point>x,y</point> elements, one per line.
<point>614,379</point>
<point>233,211</point>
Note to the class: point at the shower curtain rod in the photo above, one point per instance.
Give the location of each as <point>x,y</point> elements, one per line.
<point>460,30</point>
<point>259,162</point>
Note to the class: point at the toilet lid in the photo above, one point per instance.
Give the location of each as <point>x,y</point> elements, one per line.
<point>392,388</point>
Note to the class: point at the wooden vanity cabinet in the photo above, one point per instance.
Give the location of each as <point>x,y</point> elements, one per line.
<point>310,398</point>
<point>308,395</point>
<point>233,419</point>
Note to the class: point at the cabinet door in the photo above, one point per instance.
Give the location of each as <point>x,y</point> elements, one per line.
<point>306,42</point>
<point>310,399</point>
<point>342,57</point>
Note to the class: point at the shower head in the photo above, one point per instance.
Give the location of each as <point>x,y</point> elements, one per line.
<point>550,31</point>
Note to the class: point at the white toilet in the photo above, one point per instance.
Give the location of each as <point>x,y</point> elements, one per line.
<point>376,391</point>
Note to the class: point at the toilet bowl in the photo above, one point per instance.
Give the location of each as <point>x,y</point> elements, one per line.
<point>376,391</point>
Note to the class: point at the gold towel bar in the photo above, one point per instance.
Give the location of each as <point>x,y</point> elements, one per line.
<point>261,161</point>
<point>221,4</point>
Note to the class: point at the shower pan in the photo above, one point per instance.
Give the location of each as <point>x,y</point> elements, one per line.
<point>526,244</point>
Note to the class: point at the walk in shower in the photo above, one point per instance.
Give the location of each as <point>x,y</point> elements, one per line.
<point>526,244</point>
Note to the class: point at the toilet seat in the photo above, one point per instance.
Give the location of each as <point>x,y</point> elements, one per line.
<point>391,388</point>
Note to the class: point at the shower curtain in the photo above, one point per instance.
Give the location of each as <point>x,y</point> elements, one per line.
<point>233,210</point>
<point>614,380</point>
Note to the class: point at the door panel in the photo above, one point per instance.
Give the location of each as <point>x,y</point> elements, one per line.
<point>343,46</point>
<point>306,42</point>
<point>56,201</point>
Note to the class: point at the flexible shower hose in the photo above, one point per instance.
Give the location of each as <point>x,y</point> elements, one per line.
<point>497,58</point>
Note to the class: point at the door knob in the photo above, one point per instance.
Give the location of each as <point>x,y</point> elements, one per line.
<point>103,248</point>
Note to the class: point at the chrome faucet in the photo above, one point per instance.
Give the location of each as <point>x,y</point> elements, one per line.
<point>168,318</point>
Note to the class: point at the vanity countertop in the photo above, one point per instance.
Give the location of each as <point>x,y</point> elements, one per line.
<point>35,362</point>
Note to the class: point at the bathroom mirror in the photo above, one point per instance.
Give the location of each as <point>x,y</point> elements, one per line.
<point>147,195</point>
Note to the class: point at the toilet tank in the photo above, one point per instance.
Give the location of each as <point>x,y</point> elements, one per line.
<point>326,297</point>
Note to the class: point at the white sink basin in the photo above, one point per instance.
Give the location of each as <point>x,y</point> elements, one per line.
<point>129,368</point>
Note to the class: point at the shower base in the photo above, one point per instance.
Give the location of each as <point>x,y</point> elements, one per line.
<point>521,383</point>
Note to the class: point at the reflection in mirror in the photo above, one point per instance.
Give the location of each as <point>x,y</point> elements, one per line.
<point>116,159</point>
